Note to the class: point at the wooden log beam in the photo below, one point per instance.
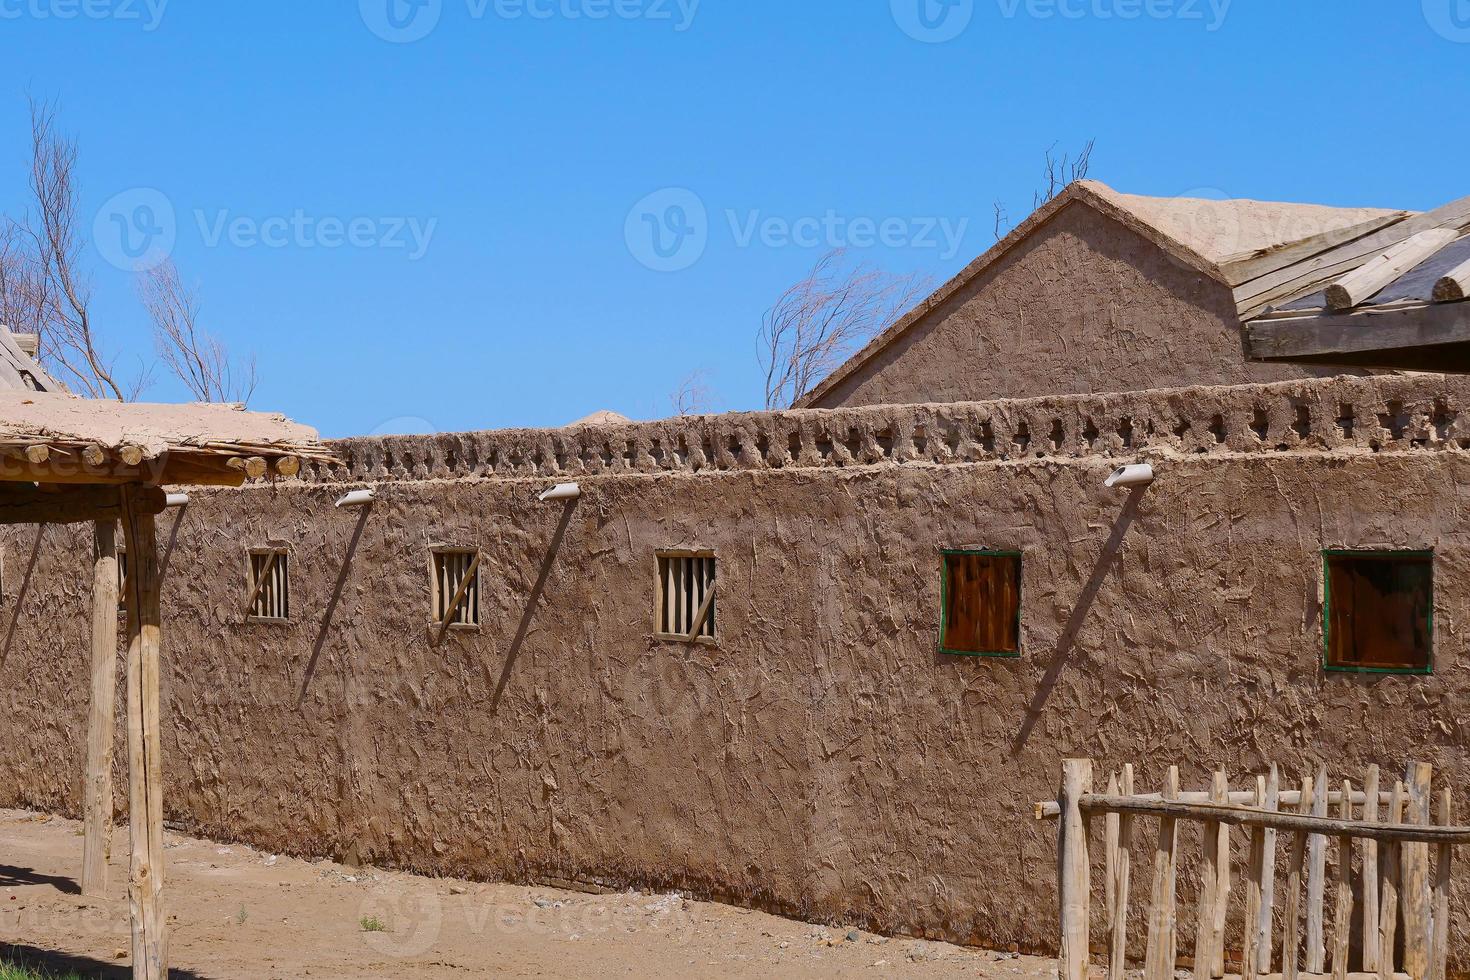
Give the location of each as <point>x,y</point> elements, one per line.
<point>21,503</point>
<point>1389,335</point>
<point>97,835</point>
<point>145,764</point>
<point>1249,817</point>
<point>173,469</point>
<point>1454,285</point>
<point>1372,276</point>
<point>1048,810</point>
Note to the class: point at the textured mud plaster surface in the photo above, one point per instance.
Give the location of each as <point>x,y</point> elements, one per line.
<point>822,760</point>
<point>1082,305</point>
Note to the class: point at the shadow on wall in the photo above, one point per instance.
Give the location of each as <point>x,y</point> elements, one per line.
<point>173,538</point>
<point>1067,642</point>
<point>20,595</point>
<point>532,601</point>
<point>321,636</point>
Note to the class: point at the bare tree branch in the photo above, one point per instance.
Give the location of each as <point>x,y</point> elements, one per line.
<point>23,295</point>
<point>693,396</point>
<point>817,323</point>
<point>68,344</point>
<point>195,357</point>
<point>1060,173</point>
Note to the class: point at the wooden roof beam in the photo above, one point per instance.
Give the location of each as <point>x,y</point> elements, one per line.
<point>1454,285</point>
<point>1417,337</point>
<point>1370,278</point>
<point>22,503</point>
<point>89,467</point>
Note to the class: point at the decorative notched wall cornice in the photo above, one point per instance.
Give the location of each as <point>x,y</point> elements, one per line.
<point>1343,414</point>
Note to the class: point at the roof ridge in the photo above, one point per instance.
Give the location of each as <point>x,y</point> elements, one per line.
<point>1093,193</point>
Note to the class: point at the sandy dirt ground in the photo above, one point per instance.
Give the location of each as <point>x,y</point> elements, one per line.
<point>236,912</point>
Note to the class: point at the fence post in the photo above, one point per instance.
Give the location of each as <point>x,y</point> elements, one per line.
<point>1414,869</point>
<point>1074,884</point>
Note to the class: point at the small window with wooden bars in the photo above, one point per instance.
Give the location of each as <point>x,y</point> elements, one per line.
<point>1379,611</point>
<point>980,604</point>
<point>270,586</point>
<point>456,588</point>
<point>686,595</point>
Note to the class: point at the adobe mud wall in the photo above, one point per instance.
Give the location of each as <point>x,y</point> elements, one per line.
<point>1082,305</point>
<point>822,759</point>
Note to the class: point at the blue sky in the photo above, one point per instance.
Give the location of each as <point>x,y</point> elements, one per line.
<point>447,231</point>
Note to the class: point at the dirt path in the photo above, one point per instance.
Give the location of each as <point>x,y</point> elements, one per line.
<point>240,913</point>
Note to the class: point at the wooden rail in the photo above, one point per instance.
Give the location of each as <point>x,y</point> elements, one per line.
<point>1393,865</point>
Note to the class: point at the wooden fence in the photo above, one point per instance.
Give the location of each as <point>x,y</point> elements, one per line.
<point>1389,844</point>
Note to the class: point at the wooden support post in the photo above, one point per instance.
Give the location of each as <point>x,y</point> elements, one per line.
<point>145,765</point>
<point>1370,874</point>
<point>1159,956</point>
<point>1220,793</point>
<point>1388,901</point>
<point>1439,937</point>
<point>1342,914</point>
<point>1317,880</point>
<point>1209,936</point>
<point>1414,869</point>
<point>1250,959</point>
<point>1290,936</point>
<point>1119,884</point>
<point>1074,885</point>
<point>101,717</point>
<point>1111,828</point>
<point>1265,918</point>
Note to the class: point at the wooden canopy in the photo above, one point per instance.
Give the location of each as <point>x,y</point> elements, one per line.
<point>64,443</point>
<point>1392,297</point>
<point>65,459</point>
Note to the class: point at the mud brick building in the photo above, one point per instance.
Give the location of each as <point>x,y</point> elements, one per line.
<point>822,661</point>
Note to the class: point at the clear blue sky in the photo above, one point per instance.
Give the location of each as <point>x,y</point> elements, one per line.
<point>518,136</point>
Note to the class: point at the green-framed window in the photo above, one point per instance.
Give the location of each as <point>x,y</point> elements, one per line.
<point>1378,613</point>
<point>980,603</point>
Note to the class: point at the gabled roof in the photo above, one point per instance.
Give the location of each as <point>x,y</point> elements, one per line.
<point>1228,240</point>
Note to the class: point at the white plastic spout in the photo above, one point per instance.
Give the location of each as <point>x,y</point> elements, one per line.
<point>1136,475</point>
<point>358,498</point>
<point>176,500</point>
<point>562,491</point>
